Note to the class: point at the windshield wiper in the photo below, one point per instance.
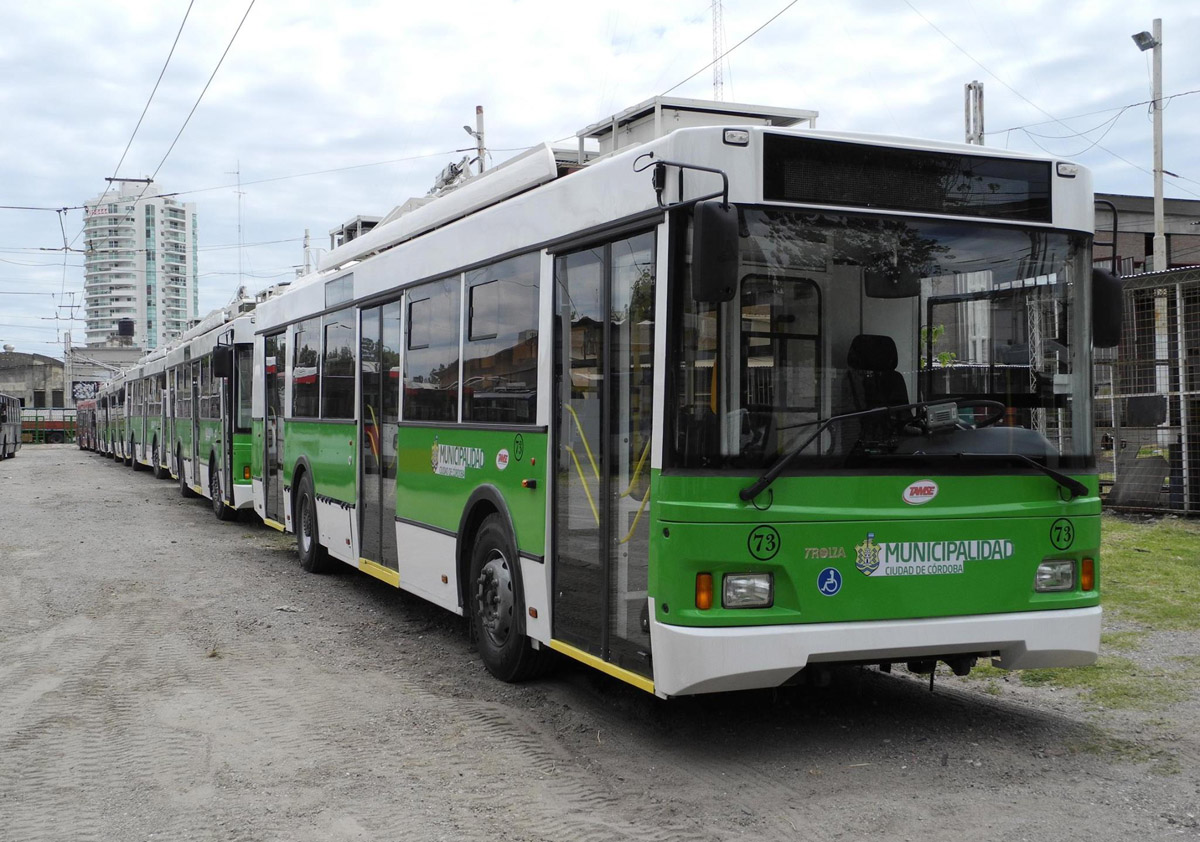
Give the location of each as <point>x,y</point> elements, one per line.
<point>760,485</point>
<point>1074,486</point>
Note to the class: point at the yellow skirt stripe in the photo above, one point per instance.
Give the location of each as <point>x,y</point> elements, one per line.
<point>639,681</point>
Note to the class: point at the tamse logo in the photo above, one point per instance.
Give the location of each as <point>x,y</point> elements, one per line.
<point>921,491</point>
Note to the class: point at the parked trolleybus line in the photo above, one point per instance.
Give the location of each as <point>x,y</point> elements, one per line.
<point>702,414</point>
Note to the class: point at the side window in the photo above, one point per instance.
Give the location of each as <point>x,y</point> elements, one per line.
<point>206,388</point>
<point>500,355</point>
<point>305,388</point>
<point>337,371</point>
<point>431,362</point>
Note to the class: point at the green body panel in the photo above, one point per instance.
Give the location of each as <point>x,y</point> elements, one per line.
<point>243,457</point>
<point>183,434</point>
<point>256,452</point>
<point>209,432</point>
<point>433,486</point>
<point>331,448</point>
<point>966,551</point>
<point>153,431</point>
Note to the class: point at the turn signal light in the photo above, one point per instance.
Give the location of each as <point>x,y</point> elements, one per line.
<point>1087,575</point>
<point>704,591</point>
<point>246,472</point>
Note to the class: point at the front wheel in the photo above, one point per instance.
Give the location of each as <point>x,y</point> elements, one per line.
<point>497,606</point>
<point>222,511</point>
<point>313,556</point>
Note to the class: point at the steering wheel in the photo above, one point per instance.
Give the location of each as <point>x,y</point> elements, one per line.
<point>998,410</point>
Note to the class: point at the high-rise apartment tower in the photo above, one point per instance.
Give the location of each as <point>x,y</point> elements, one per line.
<point>140,265</point>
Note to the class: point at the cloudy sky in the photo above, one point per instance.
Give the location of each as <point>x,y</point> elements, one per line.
<point>324,110</point>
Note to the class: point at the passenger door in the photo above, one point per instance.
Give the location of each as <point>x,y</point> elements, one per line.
<point>605,338</point>
<point>379,414</point>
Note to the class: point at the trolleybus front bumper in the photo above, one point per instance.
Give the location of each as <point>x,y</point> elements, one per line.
<point>705,660</point>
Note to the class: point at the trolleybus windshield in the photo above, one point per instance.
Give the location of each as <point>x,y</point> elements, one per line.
<point>837,314</point>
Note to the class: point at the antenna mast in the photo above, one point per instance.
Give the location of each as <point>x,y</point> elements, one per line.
<point>718,52</point>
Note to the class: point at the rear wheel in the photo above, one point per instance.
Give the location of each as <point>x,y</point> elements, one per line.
<point>160,472</point>
<point>313,556</point>
<point>185,490</point>
<point>498,606</point>
<point>222,511</point>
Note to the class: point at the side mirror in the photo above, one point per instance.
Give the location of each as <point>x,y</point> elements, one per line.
<point>714,252</point>
<point>1107,306</point>
<point>222,362</point>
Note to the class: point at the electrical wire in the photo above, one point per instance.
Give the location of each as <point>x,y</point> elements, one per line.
<point>202,93</point>
<point>161,73</point>
<point>771,20</point>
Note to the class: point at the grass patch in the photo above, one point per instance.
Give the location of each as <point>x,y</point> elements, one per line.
<point>1150,572</point>
<point>1122,641</point>
<point>1114,682</point>
<point>1114,748</point>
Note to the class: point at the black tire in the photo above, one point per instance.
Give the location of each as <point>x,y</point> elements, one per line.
<point>185,490</point>
<point>313,556</point>
<point>127,458</point>
<point>222,511</point>
<point>497,606</point>
<point>160,472</point>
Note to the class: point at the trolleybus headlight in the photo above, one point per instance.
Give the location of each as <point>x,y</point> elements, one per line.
<point>1055,576</point>
<point>748,590</point>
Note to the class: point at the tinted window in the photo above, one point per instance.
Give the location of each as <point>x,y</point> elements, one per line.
<point>337,372</point>
<point>431,362</point>
<point>305,389</point>
<point>500,357</point>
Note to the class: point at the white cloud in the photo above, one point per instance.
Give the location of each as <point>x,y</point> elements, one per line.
<point>309,87</point>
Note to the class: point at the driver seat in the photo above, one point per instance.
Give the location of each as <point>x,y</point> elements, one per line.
<point>873,380</point>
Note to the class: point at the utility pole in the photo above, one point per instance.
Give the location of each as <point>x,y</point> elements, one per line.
<point>307,254</point>
<point>973,112</point>
<point>1153,41</point>
<point>477,133</point>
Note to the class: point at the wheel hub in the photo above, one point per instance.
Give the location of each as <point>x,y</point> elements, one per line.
<point>494,597</point>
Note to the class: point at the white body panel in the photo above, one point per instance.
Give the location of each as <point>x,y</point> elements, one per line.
<point>336,525</point>
<point>535,582</point>
<point>425,557</point>
<point>705,660</point>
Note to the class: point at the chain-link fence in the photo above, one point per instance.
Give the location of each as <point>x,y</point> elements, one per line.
<point>1148,398</point>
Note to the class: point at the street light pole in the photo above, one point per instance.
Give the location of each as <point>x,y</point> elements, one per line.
<point>1160,239</point>
<point>1153,41</point>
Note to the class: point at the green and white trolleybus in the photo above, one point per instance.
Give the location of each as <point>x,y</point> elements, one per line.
<point>711,410</point>
<point>206,388</point>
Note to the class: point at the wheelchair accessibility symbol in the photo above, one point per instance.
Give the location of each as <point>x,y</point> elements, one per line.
<point>829,581</point>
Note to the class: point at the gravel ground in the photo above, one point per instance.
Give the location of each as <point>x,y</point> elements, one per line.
<point>165,676</point>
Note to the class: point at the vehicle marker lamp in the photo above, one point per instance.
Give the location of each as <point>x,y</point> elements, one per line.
<point>1087,575</point>
<point>704,591</point>
<point>1053,576</point>
<point>748,590</point>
